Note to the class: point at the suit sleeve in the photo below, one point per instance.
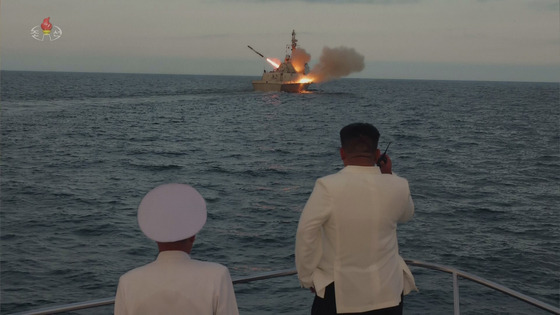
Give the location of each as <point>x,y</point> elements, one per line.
<point>408,207</point>
<point>309,233</point>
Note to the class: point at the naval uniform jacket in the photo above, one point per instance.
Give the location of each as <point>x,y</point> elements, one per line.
<point>347,234</point>
<point>176,284</point>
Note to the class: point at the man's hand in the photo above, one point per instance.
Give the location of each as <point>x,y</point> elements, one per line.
<point>385,164</point>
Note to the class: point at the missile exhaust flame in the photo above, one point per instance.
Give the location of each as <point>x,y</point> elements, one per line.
<point>305,80</point>
<point>274,64</point>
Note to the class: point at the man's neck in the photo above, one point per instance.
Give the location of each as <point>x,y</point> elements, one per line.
<point>359,161</point>
<point>183,245</point>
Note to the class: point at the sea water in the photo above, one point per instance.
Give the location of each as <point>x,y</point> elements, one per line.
<point>79,151</point>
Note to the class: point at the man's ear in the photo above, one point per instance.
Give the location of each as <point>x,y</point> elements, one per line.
<point>377,155</point>
<point>343,157</point>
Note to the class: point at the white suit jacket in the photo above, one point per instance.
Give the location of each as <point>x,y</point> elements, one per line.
<point>176,284</point>
<point>347,233</point>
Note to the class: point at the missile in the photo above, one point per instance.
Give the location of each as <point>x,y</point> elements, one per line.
<point>258,53</point>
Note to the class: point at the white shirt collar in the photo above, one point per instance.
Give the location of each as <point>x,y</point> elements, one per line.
<point>362,169</point>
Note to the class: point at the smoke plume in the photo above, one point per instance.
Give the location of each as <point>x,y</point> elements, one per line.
<point>299,58</point>
<point>336,63</point>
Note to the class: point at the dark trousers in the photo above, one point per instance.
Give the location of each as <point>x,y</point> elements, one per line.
<point>327,305</point>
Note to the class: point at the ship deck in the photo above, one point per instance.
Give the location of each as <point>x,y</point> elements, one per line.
<point>455,276</point>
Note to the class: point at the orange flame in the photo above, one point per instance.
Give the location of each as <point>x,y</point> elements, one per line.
<point>306,80</point>
<point>274,64</point>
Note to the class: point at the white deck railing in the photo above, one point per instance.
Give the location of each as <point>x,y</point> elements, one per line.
<point>288,272</point>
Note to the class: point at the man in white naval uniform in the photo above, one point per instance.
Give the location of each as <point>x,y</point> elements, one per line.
<point>346,242</point>
<point>171,215</point>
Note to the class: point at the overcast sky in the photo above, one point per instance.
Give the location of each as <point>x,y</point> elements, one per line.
<point>506,40</point>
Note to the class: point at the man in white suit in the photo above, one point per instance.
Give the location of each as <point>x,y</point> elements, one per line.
<point>346,242</point>
<point>171,215</point>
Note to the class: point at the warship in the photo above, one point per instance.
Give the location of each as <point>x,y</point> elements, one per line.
<point>284,77</point>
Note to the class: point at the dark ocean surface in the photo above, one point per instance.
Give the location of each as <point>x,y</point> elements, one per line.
<point>79,151</point>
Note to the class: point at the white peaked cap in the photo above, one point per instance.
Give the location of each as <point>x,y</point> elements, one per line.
<point>171,212</point>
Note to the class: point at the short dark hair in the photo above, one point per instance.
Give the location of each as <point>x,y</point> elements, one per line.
<point>359,138</point>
